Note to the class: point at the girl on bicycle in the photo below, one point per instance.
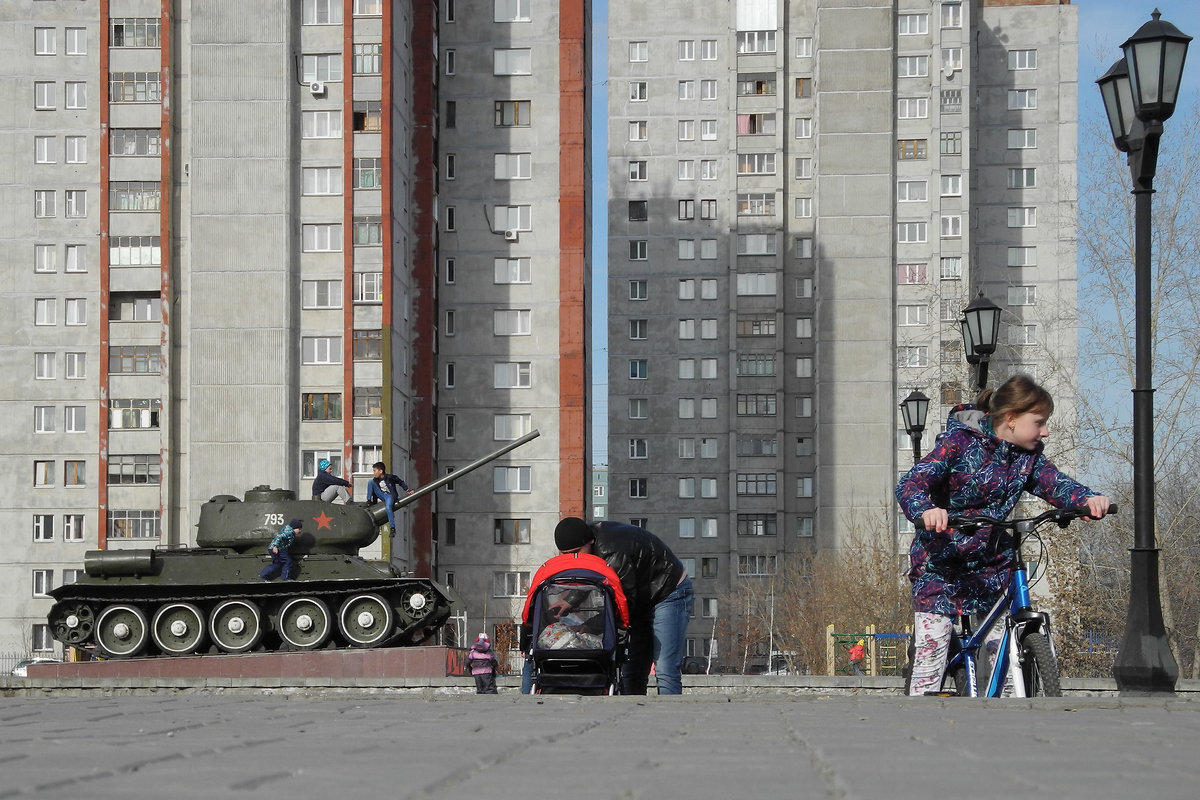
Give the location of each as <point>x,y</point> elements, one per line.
<point>990,453</point>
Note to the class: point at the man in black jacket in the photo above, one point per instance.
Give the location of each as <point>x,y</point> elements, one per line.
<point>659,592</point>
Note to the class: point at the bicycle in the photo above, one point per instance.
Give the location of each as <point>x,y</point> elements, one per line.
<point>1026,641</point>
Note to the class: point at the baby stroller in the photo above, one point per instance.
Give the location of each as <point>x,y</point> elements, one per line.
<point>574,626</point>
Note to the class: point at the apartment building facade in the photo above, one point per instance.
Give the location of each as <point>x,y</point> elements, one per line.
<point>803,198</point>
<point>223,231</point>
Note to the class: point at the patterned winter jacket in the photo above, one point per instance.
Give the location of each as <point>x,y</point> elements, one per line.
<point>971,470</point>
<point>283,540</point>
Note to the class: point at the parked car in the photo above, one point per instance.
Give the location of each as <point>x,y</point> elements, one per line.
<point>21,671</point>
<point>695,665</point>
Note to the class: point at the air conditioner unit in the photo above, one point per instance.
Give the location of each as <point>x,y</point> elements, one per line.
<point>510,235</point>
<point>317,87</point>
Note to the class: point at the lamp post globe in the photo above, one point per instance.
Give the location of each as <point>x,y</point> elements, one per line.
<point>915,409</point>
<point>1155,56</point>
<point>980,328</point>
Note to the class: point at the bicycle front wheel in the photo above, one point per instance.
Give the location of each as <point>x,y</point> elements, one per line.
<point>1038,667</point>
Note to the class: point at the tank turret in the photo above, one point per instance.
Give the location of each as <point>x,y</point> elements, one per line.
<point>179,601</point>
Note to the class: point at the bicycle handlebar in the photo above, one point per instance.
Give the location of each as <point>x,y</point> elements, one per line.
<point>1059,515</point>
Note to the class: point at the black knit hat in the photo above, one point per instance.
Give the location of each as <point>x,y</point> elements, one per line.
<point>572,533</point>
<point>296,523</point>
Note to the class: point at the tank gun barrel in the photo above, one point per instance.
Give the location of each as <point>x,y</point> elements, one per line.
<point>380,514</point>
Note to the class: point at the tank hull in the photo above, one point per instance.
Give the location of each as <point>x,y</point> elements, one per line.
<point>149,602</point>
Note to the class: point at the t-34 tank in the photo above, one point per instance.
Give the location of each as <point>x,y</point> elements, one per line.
<point>179,601</point>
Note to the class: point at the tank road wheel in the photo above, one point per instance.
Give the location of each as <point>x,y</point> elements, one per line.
<point>178,629</point>
<point>121,631</point>
<point>415,603</point>
<point>365,620</point>
<point>235,626</point>
<point>72,623</point>
<point>304,623</point>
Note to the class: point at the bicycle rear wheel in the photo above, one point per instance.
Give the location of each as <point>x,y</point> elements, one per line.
<point>1038,667</point>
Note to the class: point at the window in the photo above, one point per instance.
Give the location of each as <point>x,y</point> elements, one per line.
<point>1022,256</point>
<point>756,244</point>
<point>76,311</point>
<point>804,327</point>
<point>134,413</point>
<point>1022,59</point>
<point>321,67</point>
<point>951,100</point>
<point>637,170</point>
<point>951,226</point>
<point>44,150</point>
<point>686,130</point>
<point>708,130</point>
<point>133,524</point>
<point>368,59</point>
<point>755,42</point>
<point>45,311</point>
<point>756,283</point>
<point>639,51</point>
<point>687,209</point>
<point>951,268</point>
<point>912,149</point>
<point>637,91</point>
<point>756,405</point>
<point>506,427</point>
<point>44,42</point>
<point>510,480</point>
<point>321,349</point>
<point>756,163</point>
<point>951,143</point>
<point>368,401</point>
<point>951,185</point>
<point>638,131</point>
<point>952,58</point>
<point>912,24</point>
<point>368,116</point>
<point>320,406</point>
<point>511,531</point>
<point>638,408</point>
<point>910,315</point>
<point>134,470</point>
<point>321,12</point>
<point>513,166</point>
<point>638,290</point>
<point>687,488</point>
<point>756,483</point>
<point>448,61</point>
<point>134,307</point>
<point>686,249</point>
<point>637,328</point>
<point>1022,295</point>
<point>43,527</point>
<point>708,89</point>
<point>687,50</point>
<point>43,473</point>
<point>687,90</point>
<point>322,180</point>
<point>450,120</point>
<point>1022,217</point>
<point>512,113</point>
<point>43,96</point>
<point>76,149</point>
<point>512,61</point>
<point>519,218</point>
<point>637,448</point>
<point>45,258</point>
<point>912,107</point>
<point>803,166</point>
<point>708,169</point>
<point>368,230</point>
<point>134,87</point>
<point>43,419</point>
<point>756,204</point>
<point>511,270</point>
<point>321,125</point>
<point>804,88</point>
<point>1021,335</point>
<point>911,232</point>
<point>638,489</point>
<point>510,584</point>
<point>637,249</point>
<point>368,287</point>
<point>364,455</point>
<point>321,294</point>
<point>43,366</point>
<point>512,322</point>
<point>804,128</point>
<point>911,191</point>
<point>310,458</point>
<point>147,31</point>
<point>44,203</point>
<point>912,66</point>
<point>1022,99</point>
<point>951,15</point>
<point>1022,177</point>
<point>75,419</point>
<point>134,195</point>
<point>325,238</point>
<point>368,345</point>
<point>910,274</point>
<point>708,49</point>
<point>756,364</point>
<point>43,582</point>
<point>912,356</point>
<point>512,375</point>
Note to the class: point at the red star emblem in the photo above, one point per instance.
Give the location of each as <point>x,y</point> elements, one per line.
<point>323,520</point>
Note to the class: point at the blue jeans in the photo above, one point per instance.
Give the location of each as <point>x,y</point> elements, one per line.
<point>670,637</point>
<point>387,499</point>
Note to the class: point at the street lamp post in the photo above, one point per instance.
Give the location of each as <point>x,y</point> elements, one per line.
<point>1139,93</point>
<point>980,325</point>
<point>914,409</point>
